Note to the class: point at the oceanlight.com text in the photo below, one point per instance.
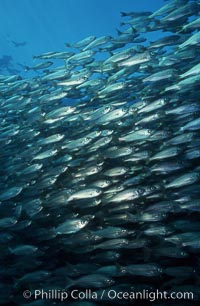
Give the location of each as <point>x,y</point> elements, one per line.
<point>106,294</point>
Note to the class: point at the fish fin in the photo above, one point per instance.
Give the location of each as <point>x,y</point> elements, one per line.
<point>16,283</point>
<point>133,29</point>
<point>26,68</point>
<point>147,254</point>
<point>122,270</point>
<point>66,65</point>
<point>114,65</point>
<point>69,282</point>
<point>118,31</point>
<point>101,66</point>
<point>123,14</point>
<point>181,29</point>
<point>119,267</point>
<point>132,218</point>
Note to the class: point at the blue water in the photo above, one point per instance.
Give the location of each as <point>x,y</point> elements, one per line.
<point>31,27</point>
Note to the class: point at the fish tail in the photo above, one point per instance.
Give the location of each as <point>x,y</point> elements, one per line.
<point>123,14</point>
<point>27,68</point>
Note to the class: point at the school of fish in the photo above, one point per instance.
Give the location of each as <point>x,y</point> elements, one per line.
<point>105,193</point>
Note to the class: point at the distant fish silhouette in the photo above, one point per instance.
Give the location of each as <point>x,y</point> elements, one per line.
<point>6,64</point>
<point>18,44</point>
<point>5,61</point>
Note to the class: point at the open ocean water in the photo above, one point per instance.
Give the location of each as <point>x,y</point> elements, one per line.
<point>99,152</point>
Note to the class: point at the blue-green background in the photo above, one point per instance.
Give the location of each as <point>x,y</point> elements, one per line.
<point>46,25</point>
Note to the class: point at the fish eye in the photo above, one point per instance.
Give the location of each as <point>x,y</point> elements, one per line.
<point>140,190</point>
